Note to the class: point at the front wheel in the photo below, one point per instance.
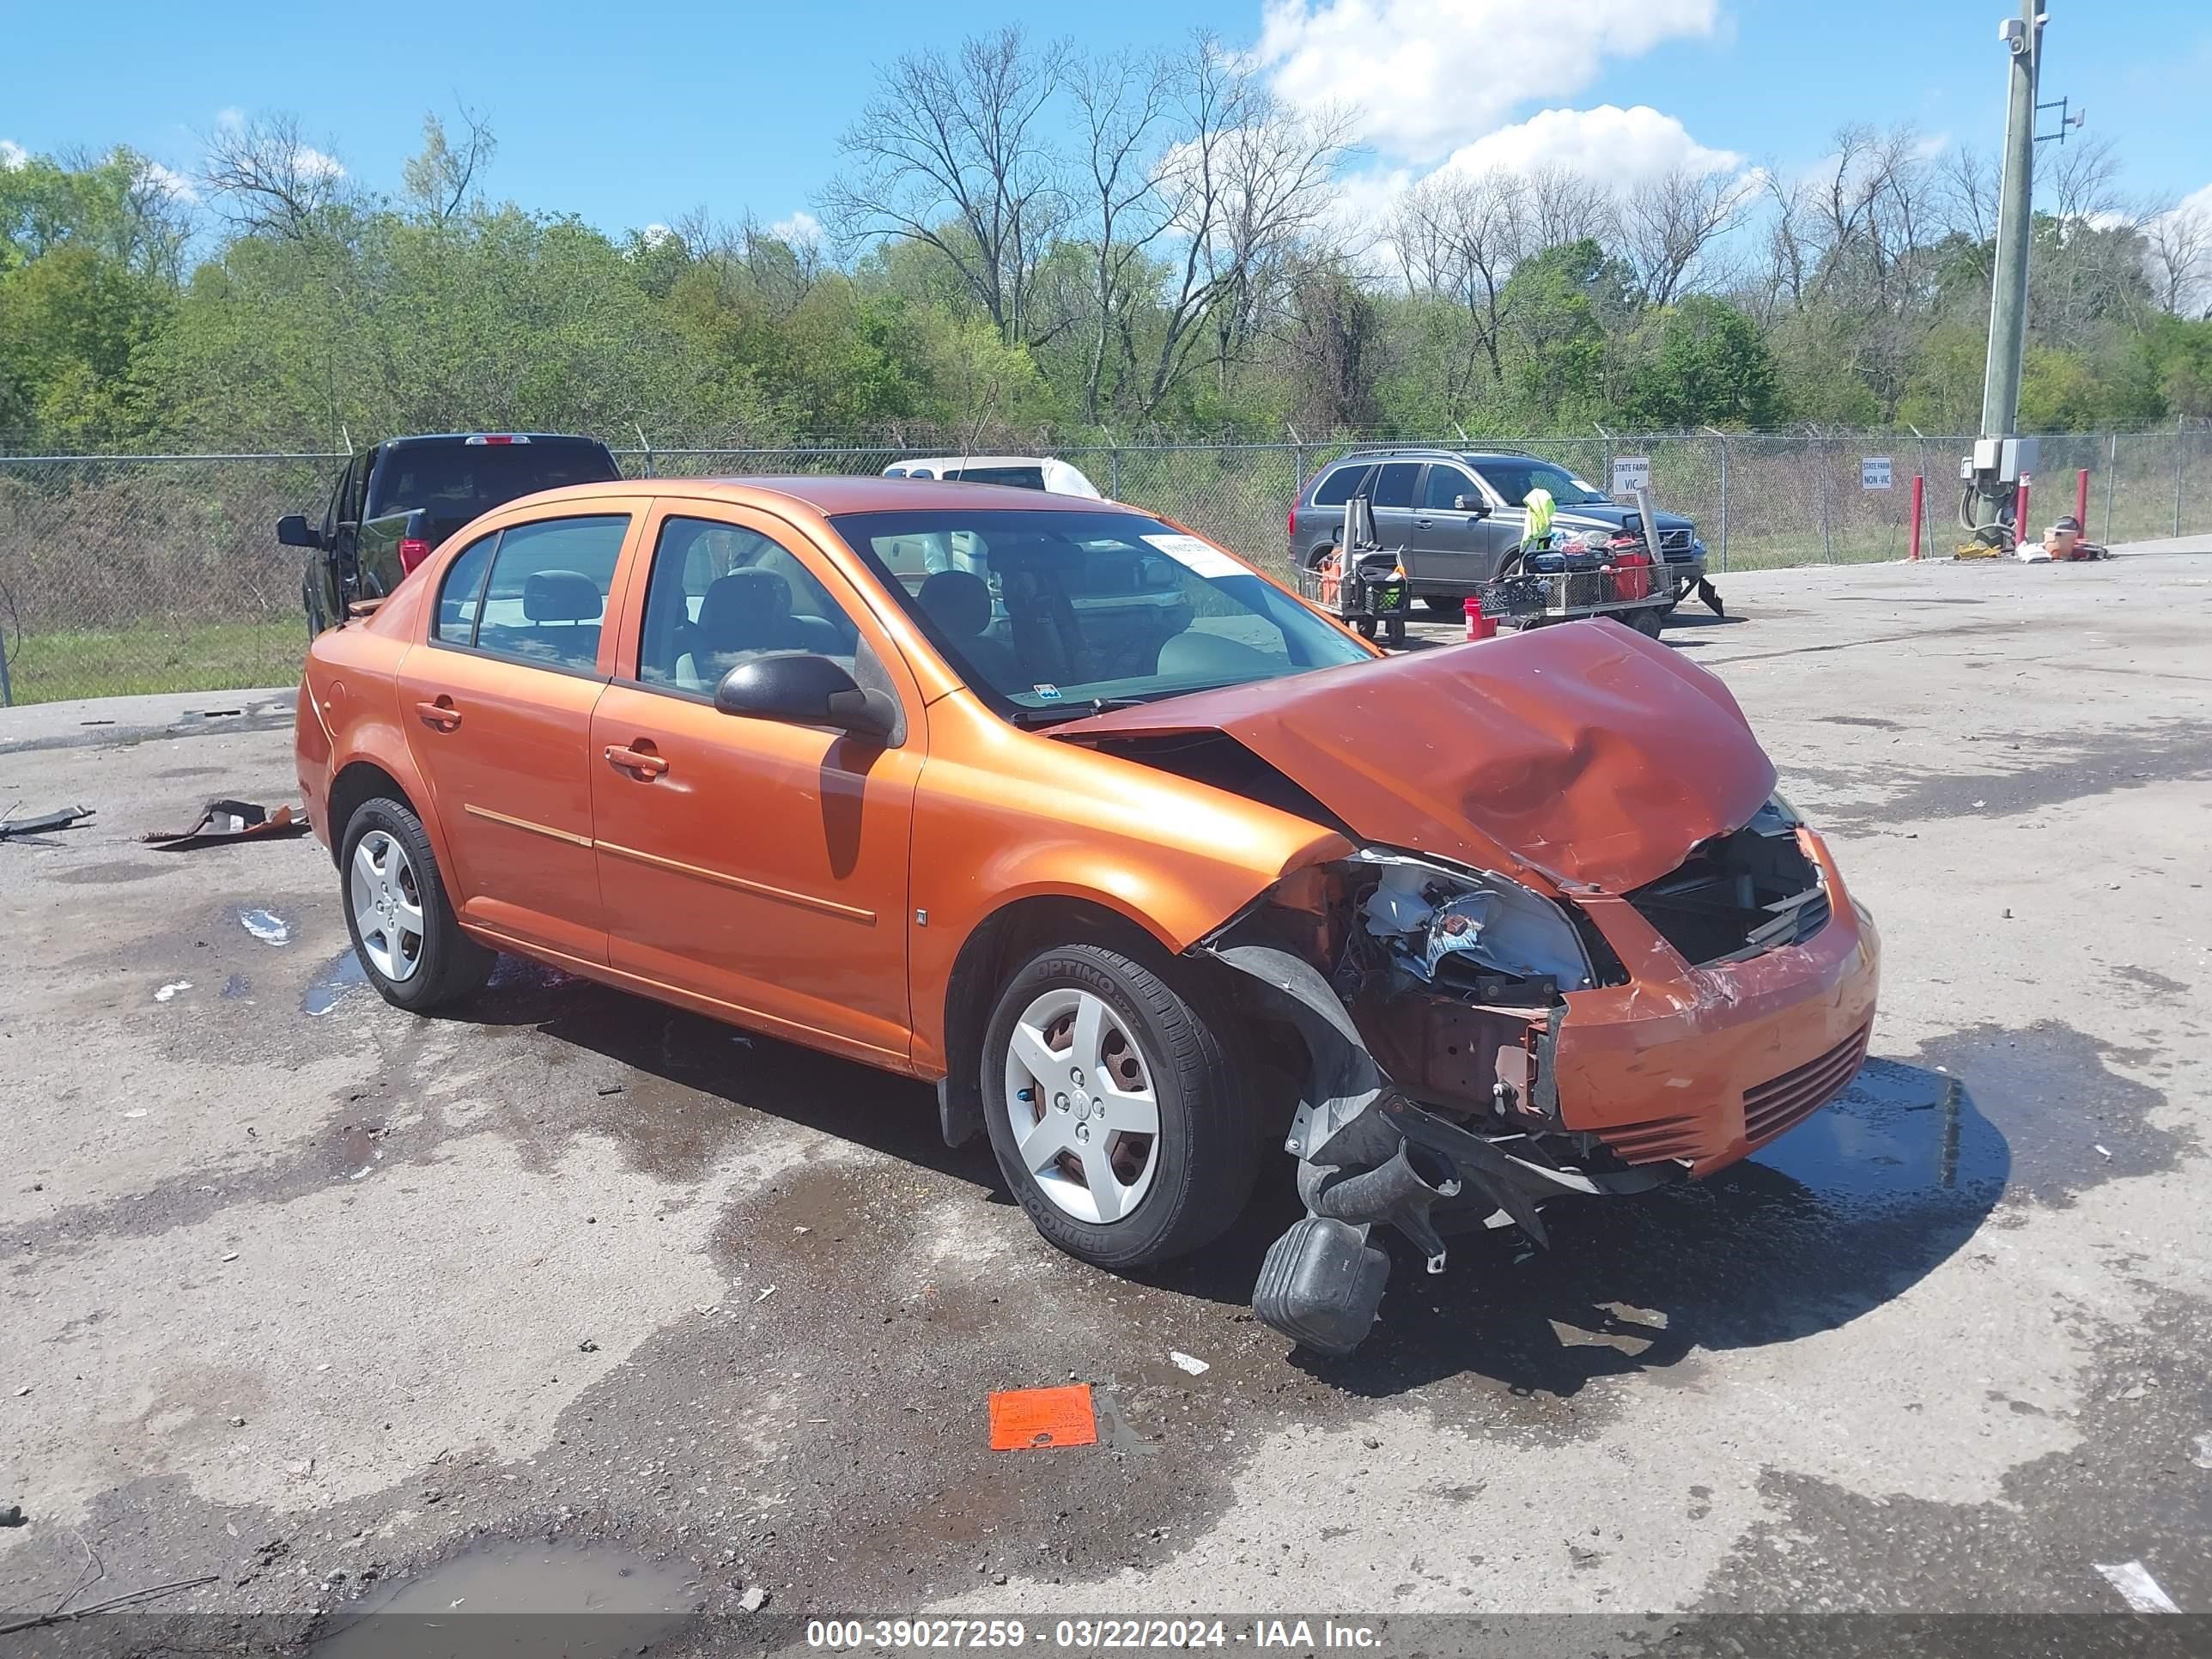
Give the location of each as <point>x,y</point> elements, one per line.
<point>1117,1116</point>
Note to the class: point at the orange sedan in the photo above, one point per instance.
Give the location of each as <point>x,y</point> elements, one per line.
<point>1147,863</point>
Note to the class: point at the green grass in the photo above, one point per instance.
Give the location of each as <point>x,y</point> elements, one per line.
<point>177,657</point>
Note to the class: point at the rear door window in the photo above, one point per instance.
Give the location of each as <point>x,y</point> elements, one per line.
<point>1393,484</point>
<point>546,594</point>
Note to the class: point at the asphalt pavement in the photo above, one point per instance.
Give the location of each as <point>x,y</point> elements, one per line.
<point>570,1294</point>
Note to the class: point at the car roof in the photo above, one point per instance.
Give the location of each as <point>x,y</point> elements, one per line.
<point>463,437</point>
<point>1471,456</point>
<point>835,493</point>
<point>981,460</point>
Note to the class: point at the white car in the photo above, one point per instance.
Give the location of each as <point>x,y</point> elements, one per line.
<point>1021,472</point>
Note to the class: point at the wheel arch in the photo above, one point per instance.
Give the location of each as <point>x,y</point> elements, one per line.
<point>365,777</point>
<point>994,947</point>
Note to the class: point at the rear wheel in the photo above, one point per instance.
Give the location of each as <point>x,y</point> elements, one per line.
<point>402,925</point>
<point>1115,1111</point>
<point>1646,623</point>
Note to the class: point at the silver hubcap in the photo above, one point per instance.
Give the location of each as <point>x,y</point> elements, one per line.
<point>1079,1100</point>
<point>387,906</point>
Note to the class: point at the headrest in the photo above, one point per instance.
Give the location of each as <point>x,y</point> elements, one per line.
<point>743,600</point>
<point>957,601</point>
<point>565,596</point>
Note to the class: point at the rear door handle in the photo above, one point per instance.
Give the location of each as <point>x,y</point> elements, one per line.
<point>440,714</point>
<point>642,763</point>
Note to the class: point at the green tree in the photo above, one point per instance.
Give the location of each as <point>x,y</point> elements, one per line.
<point>1709,366</point>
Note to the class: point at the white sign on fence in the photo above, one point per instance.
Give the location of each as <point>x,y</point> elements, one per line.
<point>1873,473</point>
<point>1631,473</point>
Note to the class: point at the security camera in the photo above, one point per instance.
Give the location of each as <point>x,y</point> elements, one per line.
<point>2014,33</point>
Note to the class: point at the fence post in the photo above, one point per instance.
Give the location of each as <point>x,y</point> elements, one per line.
<point>1113,464</point>
<point>1298,457</point>
<point>6,692</point>
<point>2179,420</point>
<point>1821,469</point>
<point>1723,437</point>
<point>2111,483</point>
<point>646,444</point>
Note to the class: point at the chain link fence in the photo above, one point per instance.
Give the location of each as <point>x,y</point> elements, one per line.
<point>132,573</point>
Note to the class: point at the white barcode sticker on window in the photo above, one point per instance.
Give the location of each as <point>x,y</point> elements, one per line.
<point>1194,555</point>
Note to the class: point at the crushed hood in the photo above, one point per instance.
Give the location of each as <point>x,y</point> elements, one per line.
<point>1583,751</point>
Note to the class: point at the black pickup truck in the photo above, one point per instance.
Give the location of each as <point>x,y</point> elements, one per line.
<point>395,502</point>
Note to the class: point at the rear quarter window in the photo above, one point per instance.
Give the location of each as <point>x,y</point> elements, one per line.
<point>1341,485</point>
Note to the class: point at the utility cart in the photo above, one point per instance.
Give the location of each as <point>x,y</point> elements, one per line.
<point>1366,589</point>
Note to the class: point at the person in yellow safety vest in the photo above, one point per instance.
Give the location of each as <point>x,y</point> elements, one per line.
<point>1540,506</point>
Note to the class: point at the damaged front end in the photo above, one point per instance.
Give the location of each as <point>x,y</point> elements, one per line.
<point>1428,997</point>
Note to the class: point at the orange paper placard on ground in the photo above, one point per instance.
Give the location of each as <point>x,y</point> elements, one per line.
<point>1025,1419</point>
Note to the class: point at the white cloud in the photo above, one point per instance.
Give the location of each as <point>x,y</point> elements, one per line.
<point>1425,75</point>
<point>316,164</point>
<point>1610,146</point>
<point>231,117</point>
<point>655,235</point>
<point>13,154</point>
<point>802,229</point>
<point>170,182</point>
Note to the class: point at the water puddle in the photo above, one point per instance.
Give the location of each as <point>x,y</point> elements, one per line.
<point>237,988</point>
<point>340,975</point>
<point>266,925</point>
<point>1900,1133</point>
<point>434,1613</point>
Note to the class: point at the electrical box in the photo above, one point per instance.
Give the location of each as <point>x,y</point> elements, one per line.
<point>2016,460</point>
<point>1986,453</point>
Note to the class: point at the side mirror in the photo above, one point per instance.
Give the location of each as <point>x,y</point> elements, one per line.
<point>292,530</point>
<point>804,689</point>
<point>1473,504</point>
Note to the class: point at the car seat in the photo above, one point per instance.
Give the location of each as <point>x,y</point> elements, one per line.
<point>740,615</point>
<point>959,603</point>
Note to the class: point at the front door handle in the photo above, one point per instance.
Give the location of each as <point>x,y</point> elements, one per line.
<point>441,713</point>
<point>1421,524</point>
<point>642,763</point>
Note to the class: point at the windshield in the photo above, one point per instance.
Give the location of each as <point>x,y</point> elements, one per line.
<point>1049,615</point>
<point>456,482</point>
<point>1514,479</point>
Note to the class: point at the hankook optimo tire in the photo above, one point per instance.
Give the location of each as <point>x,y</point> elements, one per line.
<point>402,925</point>
<point>1117,1114</point>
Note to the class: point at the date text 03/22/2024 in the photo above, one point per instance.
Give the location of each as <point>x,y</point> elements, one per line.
<point>1091,1634</point>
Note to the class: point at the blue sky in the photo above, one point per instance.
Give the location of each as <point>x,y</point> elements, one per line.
<point>630,116</point>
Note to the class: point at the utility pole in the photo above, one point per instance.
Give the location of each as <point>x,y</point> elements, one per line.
<point>2015,206</point>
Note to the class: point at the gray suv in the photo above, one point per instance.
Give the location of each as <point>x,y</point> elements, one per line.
<point>1456,513</point>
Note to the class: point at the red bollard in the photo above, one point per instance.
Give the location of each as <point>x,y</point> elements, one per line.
<point>2082,501</point>
<point>1918,485</point>
<point>1478,626</point>
<point>2020,513</point>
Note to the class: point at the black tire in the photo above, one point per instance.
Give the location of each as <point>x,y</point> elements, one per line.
<point>1208,1147</point>
<point>450,964</point>
<point>1646,623</point>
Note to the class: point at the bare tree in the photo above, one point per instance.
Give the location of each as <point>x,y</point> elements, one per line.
<point>440,180</point>
<point>1564,206</point>
<point>1460,237</point>
<point>268,179</point>
<point>1123,100</point>
<point>1668,227</point>
<point>951,153</point>
<point>2178,259</point>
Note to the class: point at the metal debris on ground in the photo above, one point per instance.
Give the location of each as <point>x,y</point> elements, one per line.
<point>223,822</point>
<point>1029,1419</point>
<point>13,1515</point>
<point>38,824</point>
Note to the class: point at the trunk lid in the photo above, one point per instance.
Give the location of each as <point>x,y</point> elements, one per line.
<point>1582,752</point>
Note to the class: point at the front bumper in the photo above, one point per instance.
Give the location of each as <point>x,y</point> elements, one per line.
<point>1418,1102</point>
<point>1701,1065</point>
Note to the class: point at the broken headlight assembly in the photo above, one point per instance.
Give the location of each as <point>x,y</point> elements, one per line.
<point>1460,931</point>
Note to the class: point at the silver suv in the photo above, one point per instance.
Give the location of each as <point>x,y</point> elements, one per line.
<point>1457,513</point>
